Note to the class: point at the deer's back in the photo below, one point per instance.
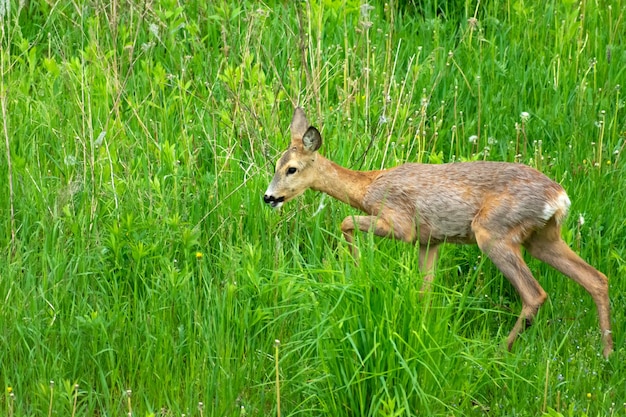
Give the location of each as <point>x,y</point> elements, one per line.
<point>445,199</point>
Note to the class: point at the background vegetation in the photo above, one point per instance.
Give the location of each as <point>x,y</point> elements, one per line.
<point>143,275</point>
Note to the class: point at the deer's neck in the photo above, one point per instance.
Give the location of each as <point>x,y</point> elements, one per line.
<point>342,183</point>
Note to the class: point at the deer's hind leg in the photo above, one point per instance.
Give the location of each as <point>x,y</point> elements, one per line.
<point>547,246</point>
<point>505,253</point>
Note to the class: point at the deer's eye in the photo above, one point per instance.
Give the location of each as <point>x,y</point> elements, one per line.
<point>291,170</point>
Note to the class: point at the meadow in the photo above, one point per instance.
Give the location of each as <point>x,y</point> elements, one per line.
<point>143,275</point>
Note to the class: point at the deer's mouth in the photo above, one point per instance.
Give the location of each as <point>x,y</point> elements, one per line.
<point>274,202</point>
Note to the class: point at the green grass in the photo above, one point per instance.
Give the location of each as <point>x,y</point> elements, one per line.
<point>143,274</point>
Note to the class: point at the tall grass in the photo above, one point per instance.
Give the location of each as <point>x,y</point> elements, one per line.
<point>143,275</point>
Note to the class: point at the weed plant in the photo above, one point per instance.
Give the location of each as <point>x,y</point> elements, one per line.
<point>142,274</point>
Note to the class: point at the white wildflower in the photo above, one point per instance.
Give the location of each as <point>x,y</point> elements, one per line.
<point>154,29</point>
<point>70,160</point>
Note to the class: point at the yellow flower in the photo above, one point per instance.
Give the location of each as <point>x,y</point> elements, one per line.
<point>589,395</point>
<point>9,390</point>
<point>199,256</point>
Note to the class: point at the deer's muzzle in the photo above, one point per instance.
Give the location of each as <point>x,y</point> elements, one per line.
<point>273,201</point>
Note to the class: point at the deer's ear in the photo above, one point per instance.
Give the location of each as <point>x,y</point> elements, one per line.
<point>299,124</point>
<point>312,139</point>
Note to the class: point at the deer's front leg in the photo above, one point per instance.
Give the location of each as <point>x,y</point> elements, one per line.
<point>379,226</point>
<point>364,224</point>
<point>427,261</point>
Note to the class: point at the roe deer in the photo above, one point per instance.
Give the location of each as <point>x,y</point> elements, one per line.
<point>500,206</point>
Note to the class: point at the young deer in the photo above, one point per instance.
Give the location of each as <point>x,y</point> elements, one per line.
<point>498,205</point>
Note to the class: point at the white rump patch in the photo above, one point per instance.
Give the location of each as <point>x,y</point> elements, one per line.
<point>556,208</point>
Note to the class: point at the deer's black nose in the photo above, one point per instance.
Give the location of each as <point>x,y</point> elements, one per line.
<point>273,201</point>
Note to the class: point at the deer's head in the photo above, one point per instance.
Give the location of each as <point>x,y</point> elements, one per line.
<point>295,169</point>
